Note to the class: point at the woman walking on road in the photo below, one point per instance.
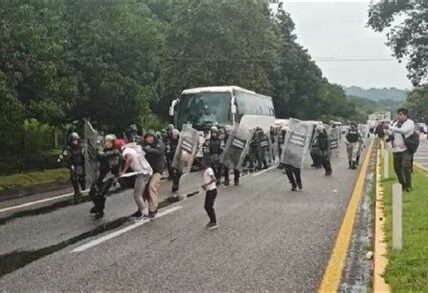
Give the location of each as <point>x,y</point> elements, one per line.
<point>135,161</point>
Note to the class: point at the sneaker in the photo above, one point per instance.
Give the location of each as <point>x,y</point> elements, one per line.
<point>300,185</point>
<point>93,210</point>
<point>293,188</point>
<point>152,215</point>
<point>328,173</point>
<point>137,214</point>
<point>99,215</point>
<point>143,218</point>
<point>77,198</point>
<point>212,226</point>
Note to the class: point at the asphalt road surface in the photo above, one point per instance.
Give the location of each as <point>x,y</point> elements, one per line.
<point>269,239</point>
<point>421,156</point>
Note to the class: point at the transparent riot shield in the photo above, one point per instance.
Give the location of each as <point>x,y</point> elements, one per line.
<point>91,149</point>
<point>186,149</point>
<point>237,147</point>
<point>266,147</point>
<point>334,141</point>
<point>297,142</point>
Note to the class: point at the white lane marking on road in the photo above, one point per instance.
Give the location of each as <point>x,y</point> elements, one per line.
<point>264,171</point>
<point>114,234</point>
<point>37,202</point>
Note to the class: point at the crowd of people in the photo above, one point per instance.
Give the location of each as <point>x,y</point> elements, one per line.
<point>140,159</point>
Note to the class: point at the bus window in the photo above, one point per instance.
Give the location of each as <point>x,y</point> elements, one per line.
<point>252,104</point>
<point>204,108</point>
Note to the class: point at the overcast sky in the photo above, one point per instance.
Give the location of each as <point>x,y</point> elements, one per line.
<point>337,30</point>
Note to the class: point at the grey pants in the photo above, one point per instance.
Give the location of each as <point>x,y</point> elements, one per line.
<point>140,184</point>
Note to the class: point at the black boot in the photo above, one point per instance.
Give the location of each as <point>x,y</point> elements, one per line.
<point>350,165</point>
<point>354,166</point>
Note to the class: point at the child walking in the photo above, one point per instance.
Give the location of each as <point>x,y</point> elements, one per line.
<point>210,187</point>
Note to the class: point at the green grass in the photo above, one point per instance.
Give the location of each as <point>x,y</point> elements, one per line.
<point>407,270</point>
<point>33,178</point>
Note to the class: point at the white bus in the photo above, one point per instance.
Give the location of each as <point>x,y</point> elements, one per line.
<point>218,105</point>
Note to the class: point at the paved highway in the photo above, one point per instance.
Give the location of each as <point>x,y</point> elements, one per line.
<point>269,239</point>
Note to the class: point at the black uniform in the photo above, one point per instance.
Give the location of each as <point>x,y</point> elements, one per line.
<point>76,163</point>
<point>322,142</point>
<point>226,169</point>
<point>214,152</point>
<point>171,144</point>
<point>109,169</point>
<point>262,142</point>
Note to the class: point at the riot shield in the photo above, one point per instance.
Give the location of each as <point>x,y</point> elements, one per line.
<point>334,141</point>
<point>237,147</point>
<point>297,142</point>
<point>91,145</point>
<point>186,149</point>
<point>266,147</point>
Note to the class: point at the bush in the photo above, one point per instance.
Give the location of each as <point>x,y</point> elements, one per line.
<point>38,137</point>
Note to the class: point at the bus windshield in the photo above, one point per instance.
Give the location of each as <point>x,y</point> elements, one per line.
<point>204,108</point>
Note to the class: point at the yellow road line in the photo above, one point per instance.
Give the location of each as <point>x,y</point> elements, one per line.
<point>333,272</point>
<point>420,166</point>
<point>380,246</point>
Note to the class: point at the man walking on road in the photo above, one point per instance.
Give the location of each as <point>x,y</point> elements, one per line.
<point>402,129</point>
<point>155,156</point>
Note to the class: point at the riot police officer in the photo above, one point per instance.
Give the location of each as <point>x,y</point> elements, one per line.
<point>109,168</point>
<point>228,130</point>
<point>171,143</point>
<point>74,154</point>
<point>170,147</point>
<point>323,144</point>
<point>262,143</point>
<point>133,134</point>
<point>353,140</point>
<point>213,150</point>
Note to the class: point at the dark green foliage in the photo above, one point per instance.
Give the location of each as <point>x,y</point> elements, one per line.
<point>122,62</point>
<point>417,103</point>
<point>406,23</point>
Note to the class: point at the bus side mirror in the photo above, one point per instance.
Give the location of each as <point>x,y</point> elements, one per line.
<point>172,107</point>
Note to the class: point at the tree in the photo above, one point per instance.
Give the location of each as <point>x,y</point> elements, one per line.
<point>406,23</point>
<point>114,54</point>
<point>417,103</point>
<point>218,43</point>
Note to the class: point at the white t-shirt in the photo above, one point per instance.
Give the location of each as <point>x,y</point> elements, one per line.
<point>139,163</point>
<point>208,174</point>
<point>406,129</point>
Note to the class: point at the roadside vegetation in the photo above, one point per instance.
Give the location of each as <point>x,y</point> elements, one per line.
<point>407,270</point>
<point>32,178</point>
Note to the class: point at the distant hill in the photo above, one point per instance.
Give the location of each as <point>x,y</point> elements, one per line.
<point>368,106</point>
<point>375,94</point>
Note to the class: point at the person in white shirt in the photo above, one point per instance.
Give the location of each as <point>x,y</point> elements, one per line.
<point>402,128</point>
<point>210,187</point>
<point>135,161</point>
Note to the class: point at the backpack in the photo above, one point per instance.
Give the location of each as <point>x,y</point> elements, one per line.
<point>323,141</point>
<point>412,142</point>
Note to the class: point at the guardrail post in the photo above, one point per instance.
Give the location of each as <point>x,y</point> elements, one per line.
<point>385,164</point>
<point>397,209</point>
